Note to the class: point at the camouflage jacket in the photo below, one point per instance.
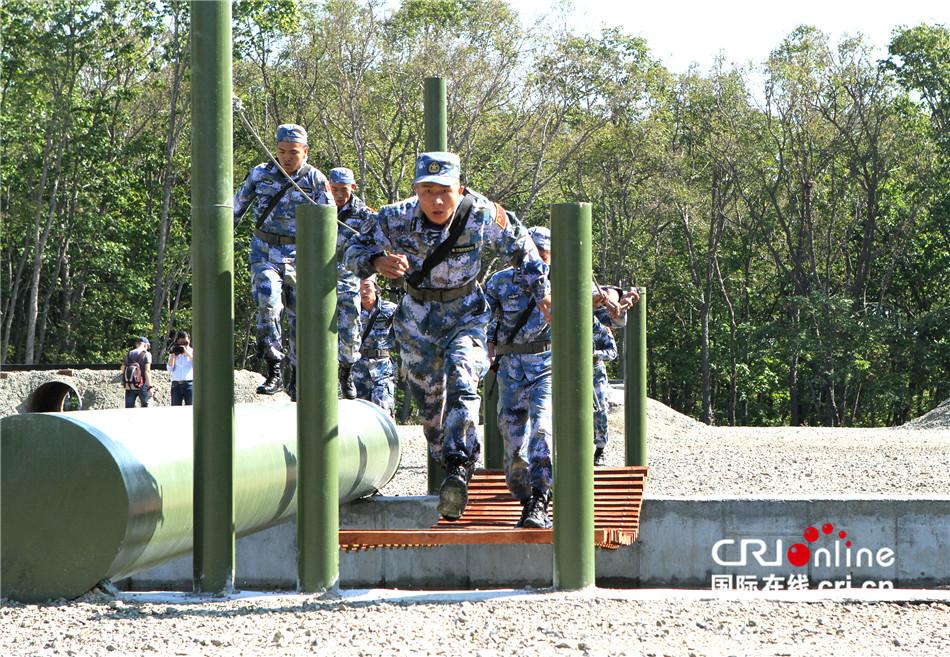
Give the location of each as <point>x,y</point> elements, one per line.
<point>401,228</point>
<point>263,183</point>
<point>605,347</point>
<point>381,335</point>
<point>353,215</point>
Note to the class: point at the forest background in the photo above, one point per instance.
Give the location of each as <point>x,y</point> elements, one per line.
<point>789,219</point>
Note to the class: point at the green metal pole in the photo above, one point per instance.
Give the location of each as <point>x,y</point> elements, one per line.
<point>635,388</point>
<point>493,443</point>
<point>213,257</point>
<point>435,115</point>
<point>572,391</point>
<point>318,499</point>
<point>436,140</point>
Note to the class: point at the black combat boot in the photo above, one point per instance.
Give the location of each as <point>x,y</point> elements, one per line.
<point>599,460</point>
<point>524,511</point>
<point>453,496</point>
<point>347,388</point>
<point>536,516</point>
<point>291,387</point>
<point>271,385</point>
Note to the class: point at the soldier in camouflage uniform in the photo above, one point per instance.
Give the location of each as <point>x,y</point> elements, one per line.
<point>351,211</point>
<point>605,349</point>
<point>441,319</point>
<point>520,340</point>
<point>610,308</point>
<point>374,374</point>
<point>273,244</point>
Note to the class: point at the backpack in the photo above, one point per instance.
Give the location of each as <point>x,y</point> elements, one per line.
<point>132,377</point>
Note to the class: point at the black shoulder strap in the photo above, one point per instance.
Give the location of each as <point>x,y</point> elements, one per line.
<point>442,251</point>
<point>372,321</point>
<point>304,170</point>
<point>522,320</point>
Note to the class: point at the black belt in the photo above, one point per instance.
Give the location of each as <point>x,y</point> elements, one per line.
<point>374,353</point>
<point>526,348</point>
<point>446,294</point>
<point>271,238</point>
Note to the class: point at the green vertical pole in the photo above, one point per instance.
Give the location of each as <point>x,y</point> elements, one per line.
<point>213,256</point>
<point>318,488</point>
<point>436,130</point>
<point>494,445</point>
<point>436,140</point>
<point>572,391</point>
<point>635,386</point>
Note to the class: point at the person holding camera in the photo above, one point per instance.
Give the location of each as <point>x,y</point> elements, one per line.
<point>181,366</point>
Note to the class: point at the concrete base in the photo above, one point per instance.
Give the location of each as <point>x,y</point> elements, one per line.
<point>697,543</point>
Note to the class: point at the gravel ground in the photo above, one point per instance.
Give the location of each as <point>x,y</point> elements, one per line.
<point>592,624</point>
<point>686,458</point>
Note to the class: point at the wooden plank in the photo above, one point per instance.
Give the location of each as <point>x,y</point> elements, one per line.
<point>492,513</point>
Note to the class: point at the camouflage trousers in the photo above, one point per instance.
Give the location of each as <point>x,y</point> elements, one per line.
<point>272,297</point>
<point>375,380</point>
<point>348,321</point>
<point>524,421</point>
<point>274,286</point>
<point>443,367</point>
<point>600,403</point>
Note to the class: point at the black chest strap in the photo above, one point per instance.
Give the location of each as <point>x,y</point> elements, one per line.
<point>441,252</point>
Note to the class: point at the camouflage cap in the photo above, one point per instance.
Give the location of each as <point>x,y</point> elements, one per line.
<point>438,167</point>
<point>342,176</point>
<point>541,237</point>
<point>291,132</point>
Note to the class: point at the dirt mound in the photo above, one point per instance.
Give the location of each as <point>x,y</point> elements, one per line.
<point>938,418</point>
<point>100,389</point>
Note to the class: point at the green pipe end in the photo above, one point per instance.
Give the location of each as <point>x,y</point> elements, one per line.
<point>63,508</point>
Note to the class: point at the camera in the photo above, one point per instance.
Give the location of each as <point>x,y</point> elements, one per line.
<point>178,349</point>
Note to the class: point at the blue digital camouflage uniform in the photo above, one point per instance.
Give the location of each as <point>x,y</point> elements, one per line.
<point>524,383</point>
<point>442,343</point>
<point>273,275</point>
<point>348,283</point>
<point>375,376</point>
<point>605,348</point>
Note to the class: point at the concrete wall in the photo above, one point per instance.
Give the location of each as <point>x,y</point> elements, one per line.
<point>907,541</point>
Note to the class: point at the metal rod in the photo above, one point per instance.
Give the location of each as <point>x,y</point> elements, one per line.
<point>493,445</point>
<point>572,391</point>
<point>213,257</point>
<point>635,388</point>
<point>318,526</point>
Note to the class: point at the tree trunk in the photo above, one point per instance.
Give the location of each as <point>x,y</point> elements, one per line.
<point>160,287</point>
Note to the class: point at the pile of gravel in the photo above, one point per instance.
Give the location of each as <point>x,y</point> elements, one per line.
<point>938,418</point>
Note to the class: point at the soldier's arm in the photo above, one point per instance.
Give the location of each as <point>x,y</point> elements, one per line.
<point>370,244</point>
<point>355,223</point>
<point>244,197</point>
<point>321,189</point>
